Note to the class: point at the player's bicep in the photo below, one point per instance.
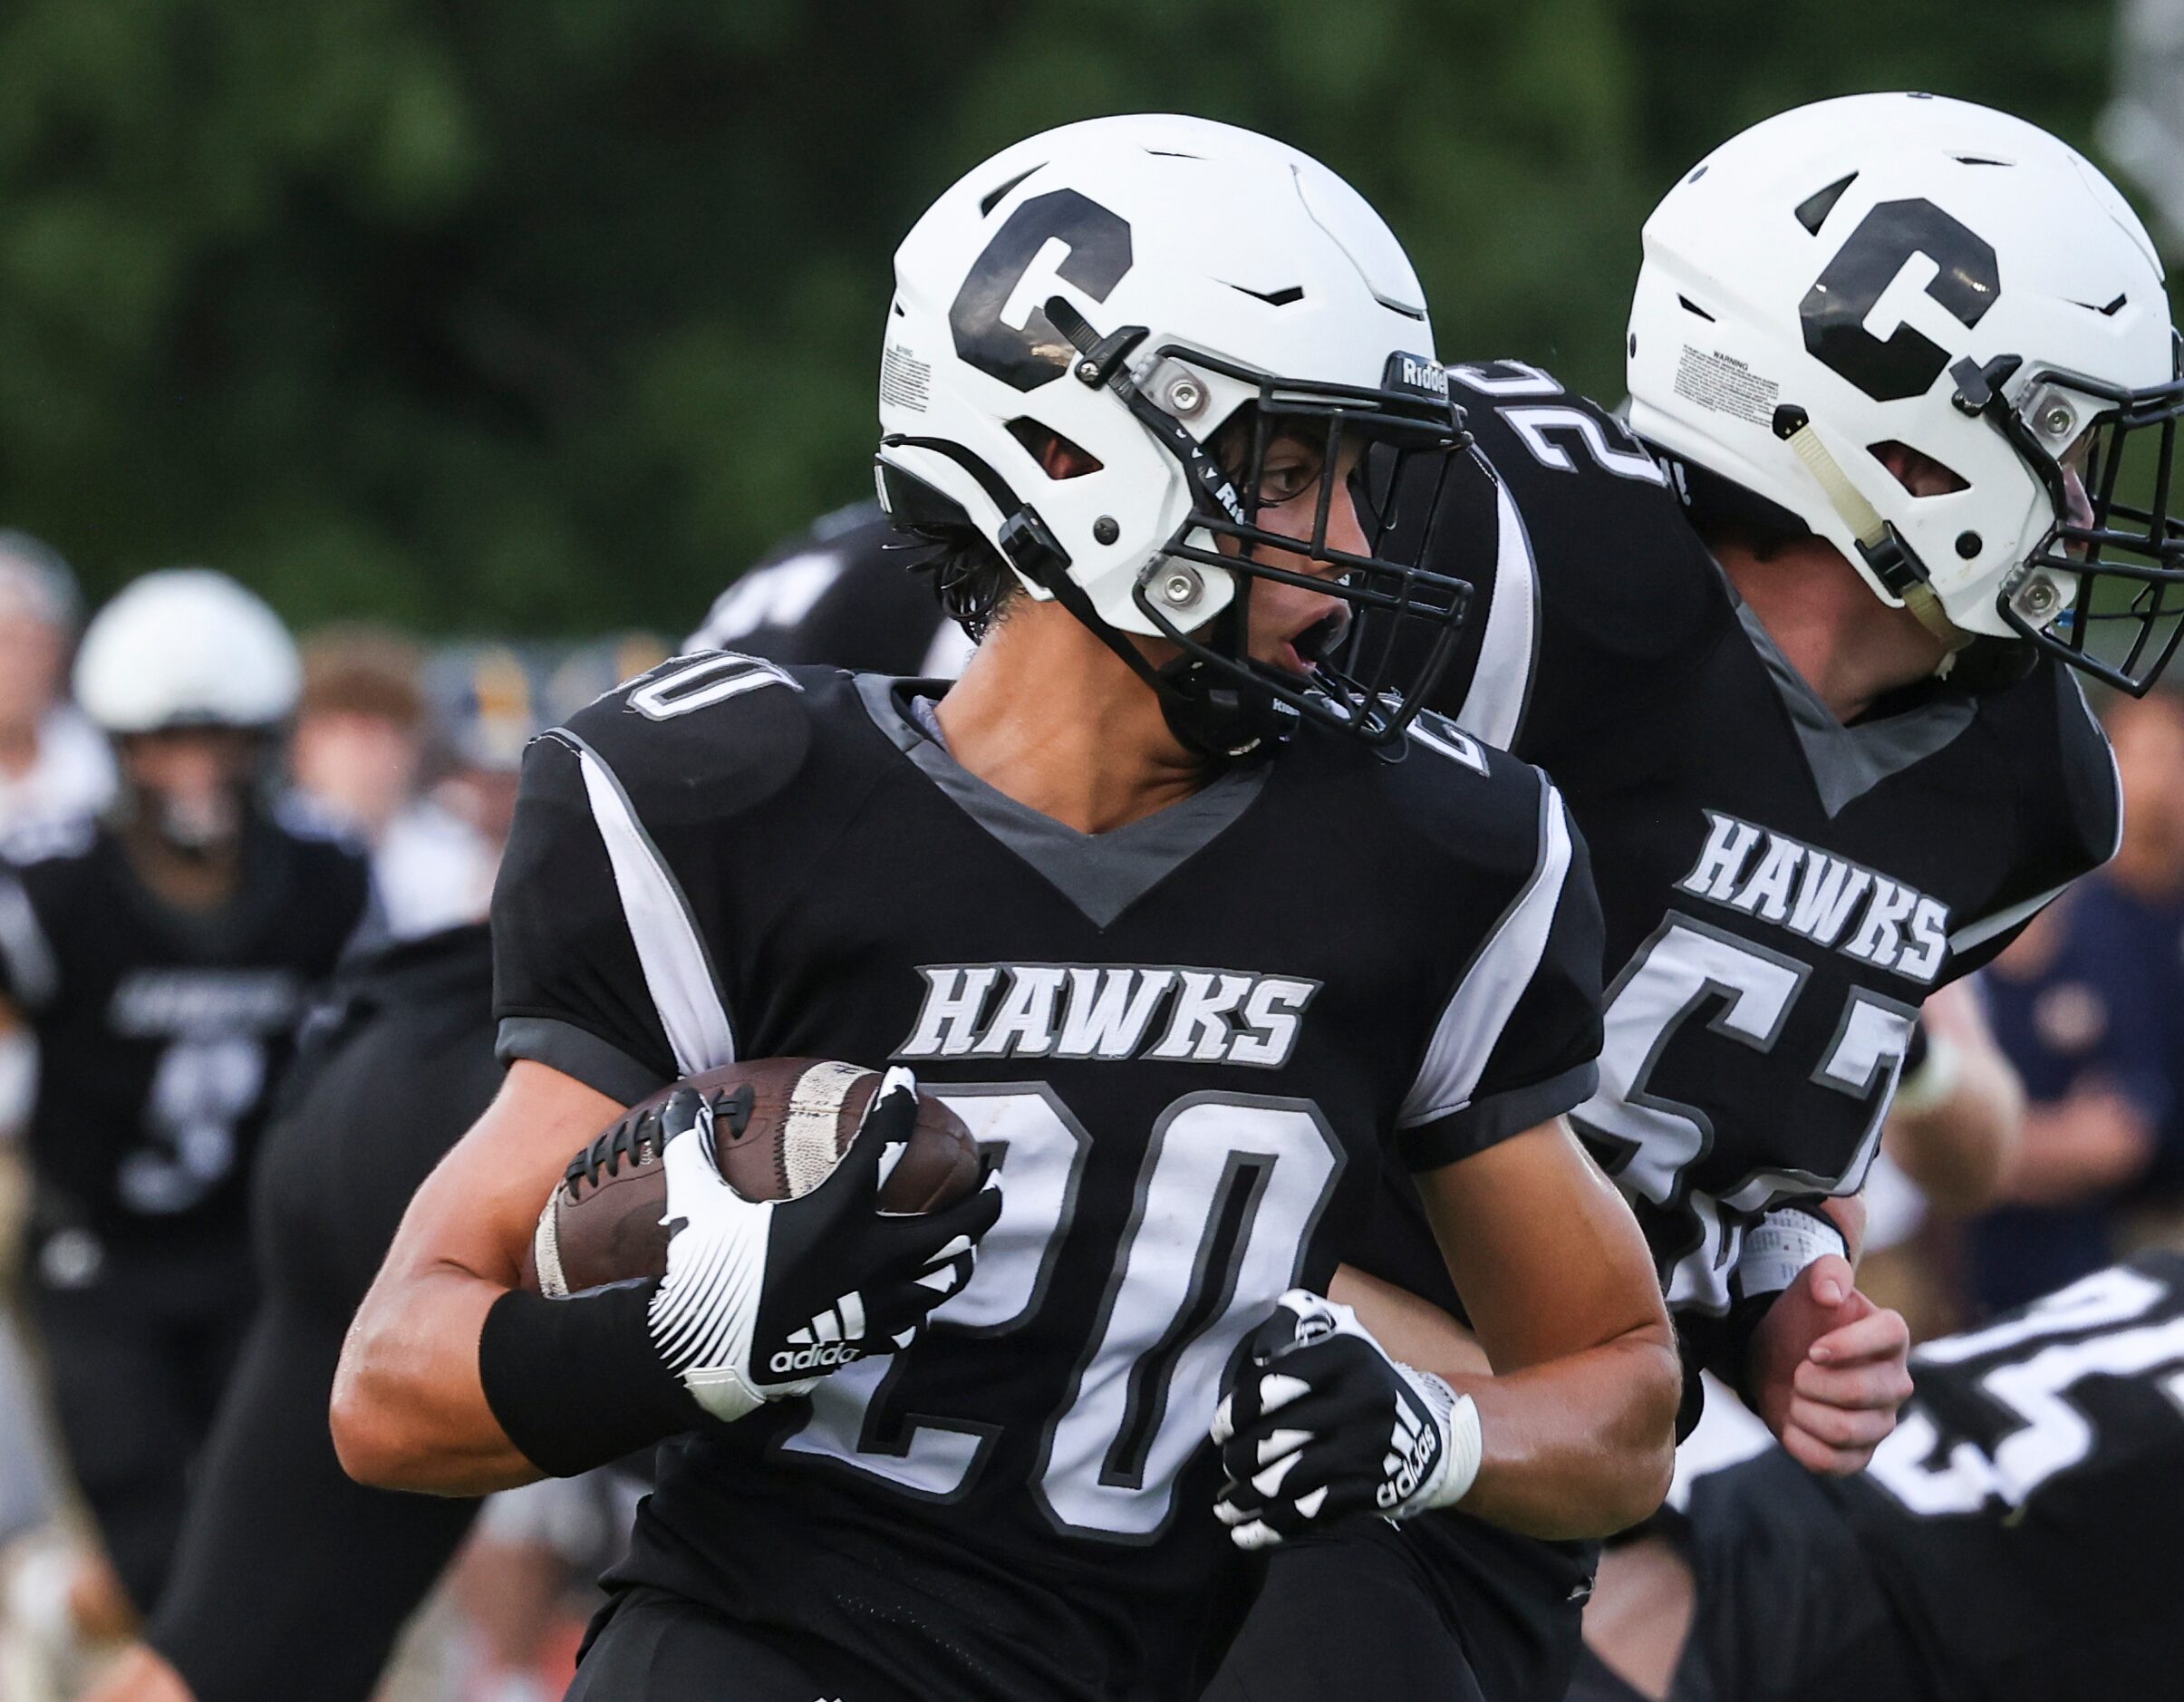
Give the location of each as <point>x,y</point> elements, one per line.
<point>476,1213</point>
<point>1544,1251</point>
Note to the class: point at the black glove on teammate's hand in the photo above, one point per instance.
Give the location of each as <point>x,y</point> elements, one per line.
<point>762,1298</point>
<point>1318,1423</point>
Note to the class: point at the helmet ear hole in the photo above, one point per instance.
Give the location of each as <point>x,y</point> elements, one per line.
<point>1056,456</point>
<point>1917,471</point>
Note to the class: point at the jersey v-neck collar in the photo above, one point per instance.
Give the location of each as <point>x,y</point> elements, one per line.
<point>1848,762</point>
<point>1101,874</point>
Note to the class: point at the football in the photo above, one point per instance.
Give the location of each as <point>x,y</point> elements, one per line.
<point>780,1125</point>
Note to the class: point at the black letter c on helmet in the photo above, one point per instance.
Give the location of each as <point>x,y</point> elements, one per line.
<point>1835,308</point>
<point>1099,254</point>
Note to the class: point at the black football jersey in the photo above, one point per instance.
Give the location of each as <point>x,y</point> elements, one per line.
<point>161,1031</point>
<point>1192,1043</point>
<point>1781,892</point>
<point>2020,1538</point>
<point>841,593</point>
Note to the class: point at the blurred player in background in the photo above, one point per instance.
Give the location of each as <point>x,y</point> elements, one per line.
<point>2017,1539</point>
<point>840,594</point>
<point>394,1065</point>
<point>162,955</point>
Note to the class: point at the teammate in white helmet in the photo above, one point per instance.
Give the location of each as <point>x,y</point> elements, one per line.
<point>1801,644</point>
<point>160,953</point>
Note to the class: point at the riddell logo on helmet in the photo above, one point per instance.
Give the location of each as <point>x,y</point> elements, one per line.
<point>1417,371</point>
<point>815,1359</point>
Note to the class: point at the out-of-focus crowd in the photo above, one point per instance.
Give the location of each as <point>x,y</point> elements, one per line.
<point>409,752</point>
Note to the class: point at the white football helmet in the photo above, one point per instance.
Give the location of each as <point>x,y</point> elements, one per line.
<point>186,647</point>
<point>1886,272</point>
<point>1118,290</point>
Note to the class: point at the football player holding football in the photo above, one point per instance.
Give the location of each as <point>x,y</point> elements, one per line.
<point>1197,933</point>
<point>1802,644</point>
<point>162,955</point>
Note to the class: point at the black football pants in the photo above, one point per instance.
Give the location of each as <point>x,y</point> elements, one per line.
<point>1444,1610</point>
<point>648,1646</point>
<point>136,1357</point>
<point>291,1579</point>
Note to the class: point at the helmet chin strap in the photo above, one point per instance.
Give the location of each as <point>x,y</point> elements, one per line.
<point>1889,559</point>
<point>1209,715</point>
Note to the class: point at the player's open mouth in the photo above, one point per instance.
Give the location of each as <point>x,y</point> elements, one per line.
<point>1301,652</point>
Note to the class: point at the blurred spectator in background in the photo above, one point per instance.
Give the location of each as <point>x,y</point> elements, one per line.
<point>54,768</point>
<point>53,765</point>
<point>1950,1139</point>
<point>2086,1004</point>
<point>2141,892</point>
<point>161,954</point>
<point>360,752</point>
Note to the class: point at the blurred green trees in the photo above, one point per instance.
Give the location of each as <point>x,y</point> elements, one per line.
<point>543,316</point>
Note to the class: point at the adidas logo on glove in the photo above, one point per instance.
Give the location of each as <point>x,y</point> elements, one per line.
<point>814,1358</point>
<point>820,1345</point>
<point>1415,1448</point>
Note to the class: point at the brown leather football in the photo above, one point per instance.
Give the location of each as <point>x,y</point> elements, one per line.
<point>780,1125</point>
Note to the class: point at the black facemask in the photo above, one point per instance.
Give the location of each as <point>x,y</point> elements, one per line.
<point>2104,591</point>
<point>1217,700</point>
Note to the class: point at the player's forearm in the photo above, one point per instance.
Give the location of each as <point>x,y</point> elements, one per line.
<point>1574,1447</point>
<point>408,1410</point>
<point>1581,1447</point>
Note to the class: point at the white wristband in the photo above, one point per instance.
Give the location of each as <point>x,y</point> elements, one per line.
<point>1459,1465</point>
<point>1466,1446</point>
<point>1782,1244</point>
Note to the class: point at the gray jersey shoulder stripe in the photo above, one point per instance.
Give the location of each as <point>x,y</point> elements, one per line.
<point>1501,685</point>
<point>31,969</point>
<point>676,972</point>
<point>1980,931</point>
<point>1471,1022</point>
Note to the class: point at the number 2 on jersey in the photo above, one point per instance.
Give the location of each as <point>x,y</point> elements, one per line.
<point>1227,1197</point>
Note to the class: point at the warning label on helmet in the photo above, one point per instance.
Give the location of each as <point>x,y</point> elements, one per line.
<point>1726,384</point>
<point>905,380</point>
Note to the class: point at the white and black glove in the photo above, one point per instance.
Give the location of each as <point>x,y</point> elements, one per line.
<point>762,1299</point>
<point>1318,1424</point>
